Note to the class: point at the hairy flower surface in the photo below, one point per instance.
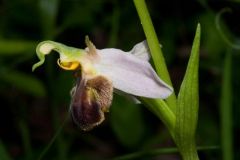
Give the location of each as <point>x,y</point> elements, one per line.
<point>99,71</point>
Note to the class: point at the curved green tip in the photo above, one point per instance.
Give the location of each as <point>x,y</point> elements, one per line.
<point>41,59</point>
<point>41,53</point>
<point>45,47</point>
<point>37,64</point>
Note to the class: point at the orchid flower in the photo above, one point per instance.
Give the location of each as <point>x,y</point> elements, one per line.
<point>99,71</point>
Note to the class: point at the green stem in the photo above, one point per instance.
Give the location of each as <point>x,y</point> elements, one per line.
<point>155,48</point>
<point>226,110</point>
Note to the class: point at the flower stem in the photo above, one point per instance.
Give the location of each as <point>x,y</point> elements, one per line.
<point>155,48</point>
<point>226,109</point>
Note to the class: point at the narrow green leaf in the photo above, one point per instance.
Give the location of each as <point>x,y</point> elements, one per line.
<point>13,47</point>
<point>187,105</point>
<point>24,82</point>
<point>226,110</point>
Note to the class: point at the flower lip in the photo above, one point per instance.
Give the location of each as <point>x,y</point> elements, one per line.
<point>90,99</point>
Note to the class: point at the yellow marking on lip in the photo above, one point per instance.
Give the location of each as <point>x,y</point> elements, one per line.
<point>68,65</point>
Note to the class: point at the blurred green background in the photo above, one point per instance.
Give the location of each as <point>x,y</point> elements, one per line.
<point>35,104</point>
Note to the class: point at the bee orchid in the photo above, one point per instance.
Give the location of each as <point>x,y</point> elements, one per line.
<point>99,72</point>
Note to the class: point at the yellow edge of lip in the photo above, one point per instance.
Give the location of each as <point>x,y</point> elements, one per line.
<point>68,65</point>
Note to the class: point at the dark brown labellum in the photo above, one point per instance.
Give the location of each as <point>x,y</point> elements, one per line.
<point>90,99</point>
